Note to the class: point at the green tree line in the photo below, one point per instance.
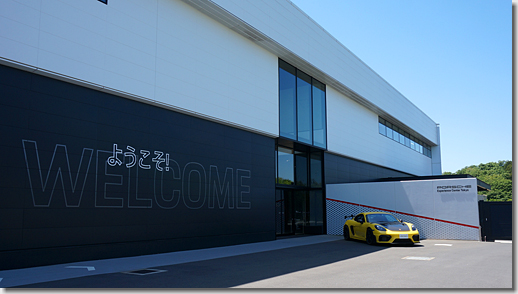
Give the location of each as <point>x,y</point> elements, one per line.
<point>497,174</point>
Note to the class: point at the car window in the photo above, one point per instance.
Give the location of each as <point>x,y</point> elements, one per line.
<point>382,217</point>
<point>359,218</point>
<point>375,218</point>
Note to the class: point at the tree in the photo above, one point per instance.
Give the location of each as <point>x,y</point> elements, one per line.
<point>497,174</point>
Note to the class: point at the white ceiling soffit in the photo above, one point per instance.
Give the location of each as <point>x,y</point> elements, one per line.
<point>236,24</point>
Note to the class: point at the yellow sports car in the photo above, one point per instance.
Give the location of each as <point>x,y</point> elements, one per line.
<point>379,227</point>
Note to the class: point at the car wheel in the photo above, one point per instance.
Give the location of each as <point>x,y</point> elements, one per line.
<point>370,238</point>
<point>346,233</point>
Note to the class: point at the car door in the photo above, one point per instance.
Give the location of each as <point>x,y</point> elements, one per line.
<point>361,230</point>
<point>356,226</point>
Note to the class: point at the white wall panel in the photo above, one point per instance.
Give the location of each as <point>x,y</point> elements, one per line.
<point>17,51</point>
<point>19,31</point>
<point>461,205</point>
<point>60,46</point>
<point>415,198</point>
<point>353,131</point>
<point>71,66</point>
<point>88,15</point>
<point>378,195</point>
<point>233,79</point>
<point>163,50</point>
<point>344,192</point>
<point>20,12</point>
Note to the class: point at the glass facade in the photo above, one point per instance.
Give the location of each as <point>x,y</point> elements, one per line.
<point>288,103</point>
<point>299,166</point>
<point>316,169</point>
<point>299,212</point>
<point>299,153</point>
<point>395,133</point>
<point>302,107</point>
<point>304,113</point>
<point>285,166</point>
<point>299,194</point>
<point>319,114</point>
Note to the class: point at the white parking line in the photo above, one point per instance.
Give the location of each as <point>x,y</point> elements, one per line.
<point>418,258</point>
<point>443,244</point>
<point>502,241</point>
<point>89,268</point>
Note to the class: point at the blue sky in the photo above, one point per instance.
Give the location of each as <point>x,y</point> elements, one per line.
<point>452,59</point>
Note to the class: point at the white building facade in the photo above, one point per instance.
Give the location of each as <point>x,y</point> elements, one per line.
<point>172,125</point>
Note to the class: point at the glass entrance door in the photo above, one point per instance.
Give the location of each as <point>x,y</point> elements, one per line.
<point>300,189</point>
<point>300,211</point>
<point>292,212</point>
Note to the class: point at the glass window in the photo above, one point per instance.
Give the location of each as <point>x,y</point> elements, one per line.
<point>407,140</point>
<point>304,115</point>
<point>316,211</point>
<point>287,101</point>
<point>286,166</point>
<point>319,114</point>
<point>302,107</point>
<point>382,129</point>
<point>395,133</point>
<point>389,130</point>
<point>301,168</point>
<point>316,169</point>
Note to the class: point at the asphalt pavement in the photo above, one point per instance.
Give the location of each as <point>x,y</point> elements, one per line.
<point>314,262</point>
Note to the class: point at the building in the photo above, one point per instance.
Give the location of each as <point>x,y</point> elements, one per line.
<point>143,126</point>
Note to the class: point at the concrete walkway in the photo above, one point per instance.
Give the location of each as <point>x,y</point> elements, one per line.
<point>20,277</point>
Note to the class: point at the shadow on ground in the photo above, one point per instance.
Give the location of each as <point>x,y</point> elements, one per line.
<point>226,272</point>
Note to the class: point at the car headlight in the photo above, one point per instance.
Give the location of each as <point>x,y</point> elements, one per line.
<point>379,228</point>
<point>413,228</point>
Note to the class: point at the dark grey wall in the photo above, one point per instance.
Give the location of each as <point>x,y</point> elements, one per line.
<point>496,220</point>
<point>345,170</point>
<point>88,175</point>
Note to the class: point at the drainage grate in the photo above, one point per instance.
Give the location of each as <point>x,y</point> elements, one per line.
<point>144,272</point>
<point>418,258</point>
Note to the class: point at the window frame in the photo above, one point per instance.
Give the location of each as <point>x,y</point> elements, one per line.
<point>309,115</point>
<point>402,137</point>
